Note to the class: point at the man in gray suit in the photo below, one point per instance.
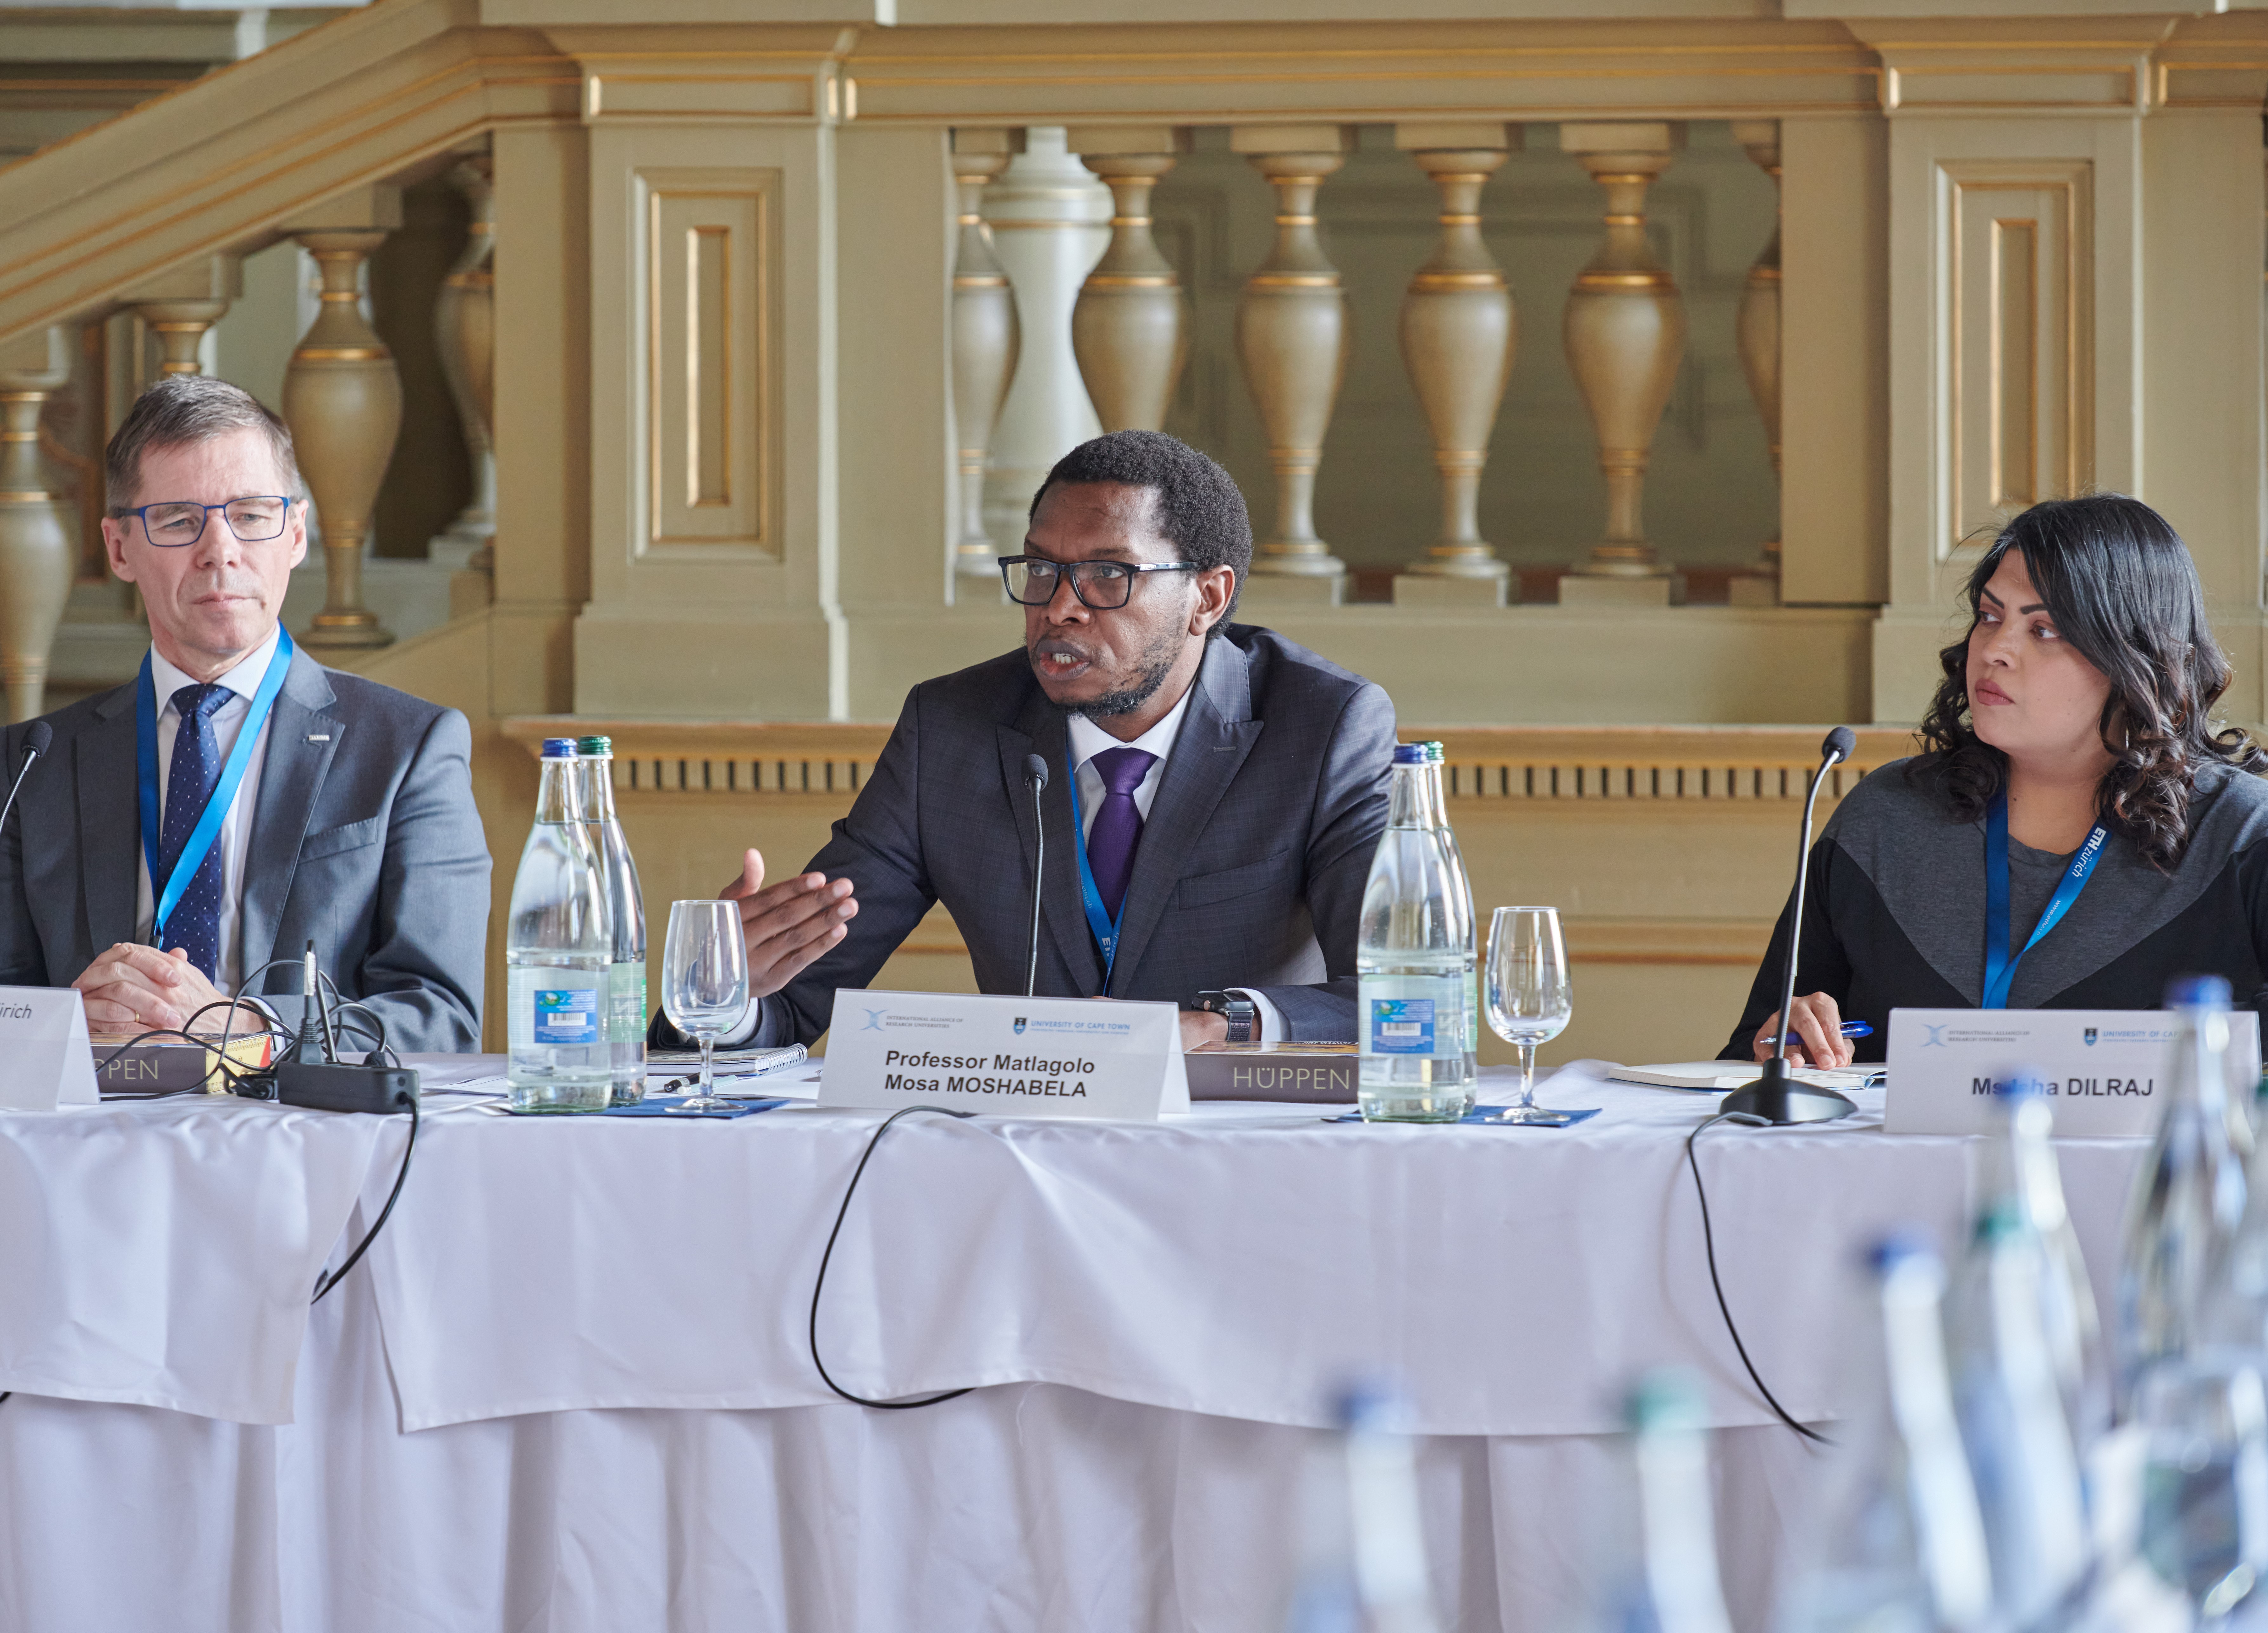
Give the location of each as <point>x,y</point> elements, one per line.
<point>346,819</point>
<point>1214,793</point>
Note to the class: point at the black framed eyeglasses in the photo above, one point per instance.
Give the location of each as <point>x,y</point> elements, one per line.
<point>1102,586</point>
<point>177,523</point>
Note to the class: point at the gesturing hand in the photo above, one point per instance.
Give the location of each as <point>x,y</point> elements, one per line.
<point>788,924</point>
<point>137,988</point>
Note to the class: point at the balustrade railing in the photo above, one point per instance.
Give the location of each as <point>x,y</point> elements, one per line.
<point>1623,327</point>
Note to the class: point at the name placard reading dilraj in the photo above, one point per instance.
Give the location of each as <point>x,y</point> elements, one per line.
<point>1016,1058</point>
<point>2103,1071</point>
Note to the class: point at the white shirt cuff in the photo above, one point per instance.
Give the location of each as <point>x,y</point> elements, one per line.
<point>743,1035</point>
<point>1268,1023</point>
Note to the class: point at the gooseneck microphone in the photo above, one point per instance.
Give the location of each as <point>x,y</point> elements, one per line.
<point>38,737</point>
<point>1035,773</point>
<point>1775,1097</point>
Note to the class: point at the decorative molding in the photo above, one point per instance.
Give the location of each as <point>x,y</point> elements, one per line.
<point>1495,764</point>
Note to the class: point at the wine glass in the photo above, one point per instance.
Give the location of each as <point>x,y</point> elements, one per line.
<point>705,984</point>
<point>1529,998</point>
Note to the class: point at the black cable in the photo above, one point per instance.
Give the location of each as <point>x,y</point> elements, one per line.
<point>1709,1241</point>
<point>324,1283</point>
<point>818,1286</point>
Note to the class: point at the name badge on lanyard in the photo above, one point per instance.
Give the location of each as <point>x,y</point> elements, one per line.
<point>168,889</point>
<point>1999,965</point>
<point>1104,927</point>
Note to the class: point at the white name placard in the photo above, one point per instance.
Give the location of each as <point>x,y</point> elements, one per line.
<point>45,1058</point>
<point>2103,1071</point>
<point>1019,1057</point>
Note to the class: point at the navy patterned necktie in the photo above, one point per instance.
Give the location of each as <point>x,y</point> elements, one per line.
<point>195,767</point>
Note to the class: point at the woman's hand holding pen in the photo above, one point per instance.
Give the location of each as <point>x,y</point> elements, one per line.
<point>1819,1037</point>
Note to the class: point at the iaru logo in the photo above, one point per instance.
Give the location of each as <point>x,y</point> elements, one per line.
<point>2088,1037</point>
<point>1020,1023</point>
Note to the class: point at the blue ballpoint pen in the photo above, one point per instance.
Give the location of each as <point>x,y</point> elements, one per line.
<point>1857,1029</point>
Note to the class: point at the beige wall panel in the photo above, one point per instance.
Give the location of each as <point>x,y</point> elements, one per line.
<point>2201,376</point>
<point>1942,174</point>
<point>890,652</point>
<point>736,624</point>
<point>894,274</point>
<point>542,379</point>
<point>1835,378</point>
<point>708,413</point>
<point>1548,665</point>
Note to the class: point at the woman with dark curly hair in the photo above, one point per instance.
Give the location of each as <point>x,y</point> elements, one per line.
<point>2074,777</point>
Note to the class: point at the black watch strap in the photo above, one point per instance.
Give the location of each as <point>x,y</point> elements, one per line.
<point>1243,1015</point>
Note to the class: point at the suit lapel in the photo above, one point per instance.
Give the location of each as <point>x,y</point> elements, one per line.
<point>1216,736</point>
<point>109,819</point>
<point>1039,730</point>
<point>291,779</point>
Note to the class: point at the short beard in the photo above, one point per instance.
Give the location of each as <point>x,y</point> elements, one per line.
<point>1157,664</point>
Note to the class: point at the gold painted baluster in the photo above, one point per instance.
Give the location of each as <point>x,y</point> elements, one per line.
<point>343,398</point>
<point>1625,329</point>
<point>464,331</point>
<point>1292,336</point>
<point>1130,326</point>
<point>178,307</point>
<point>987,338</point>
<point>35,551</point>
<point>1758,333</point>
<point>1458,332</point>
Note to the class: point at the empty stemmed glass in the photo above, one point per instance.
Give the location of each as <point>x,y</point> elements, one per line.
<point>1528,997</point>
<point>705,984</point>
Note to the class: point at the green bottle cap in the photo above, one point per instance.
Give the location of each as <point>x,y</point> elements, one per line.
<point>1433,752</point>
<point>588,746</point>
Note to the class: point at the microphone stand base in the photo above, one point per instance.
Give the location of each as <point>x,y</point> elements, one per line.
<point>1779,1099</point>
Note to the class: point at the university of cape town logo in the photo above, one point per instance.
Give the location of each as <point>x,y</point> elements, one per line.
<point>2090,1037</point>
<point>873,1020</point>
<point>1936,1039</point>
<point>1019,1023</point>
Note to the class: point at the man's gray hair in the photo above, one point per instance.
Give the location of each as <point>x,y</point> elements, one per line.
<point>177,410</point>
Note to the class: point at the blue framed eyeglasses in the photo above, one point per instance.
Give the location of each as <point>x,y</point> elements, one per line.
<point>177,523</point>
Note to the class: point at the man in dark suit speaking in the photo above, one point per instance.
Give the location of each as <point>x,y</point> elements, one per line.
<point>1214,797</point>
<point>237,799</point>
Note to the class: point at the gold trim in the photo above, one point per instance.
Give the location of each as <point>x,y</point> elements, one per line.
<point>1614,220</point>
<point>1298,221</point>
<point>968,221</point>
<point>24,495</point>
<point>1061,226</point>
<point>1457,280</point>
<point>981,280</point>
<point>340,354</point>
<point>1129,221</point>
<point>1460,221</point>
<point>1624,280</point>
<point>1293,280</point>
<point>479,229</point>
<point>1764,274</point>
<point>1130,280</point>
<point>332,296</point>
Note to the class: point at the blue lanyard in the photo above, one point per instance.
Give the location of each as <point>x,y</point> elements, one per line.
<point>2000,967</point>
<point>1104,926</point>
<point>224,795</point>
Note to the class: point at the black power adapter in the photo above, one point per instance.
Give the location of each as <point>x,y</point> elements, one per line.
<point>383,1090</point>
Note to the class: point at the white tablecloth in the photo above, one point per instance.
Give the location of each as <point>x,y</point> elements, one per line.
<point>1151,1314</point>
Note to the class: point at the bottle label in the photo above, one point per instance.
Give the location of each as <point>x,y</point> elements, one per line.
<point>567,1015</point>
<point>626,1004</point>
<point>1402,1025</point>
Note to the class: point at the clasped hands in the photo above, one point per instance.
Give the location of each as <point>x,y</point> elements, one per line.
<point>789,925</point>
<point>139,989</point>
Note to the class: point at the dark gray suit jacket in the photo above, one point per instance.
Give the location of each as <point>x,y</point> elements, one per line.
<point>1252,861</point>
<point>365,838</point>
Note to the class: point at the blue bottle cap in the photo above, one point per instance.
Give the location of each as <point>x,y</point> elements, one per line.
<point>1410,753</point>
<point>1368,1403</point>
<point>558,748</point>
<point>2197,992</point>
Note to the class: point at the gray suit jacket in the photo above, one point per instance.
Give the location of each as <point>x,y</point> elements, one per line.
<point>365,838</point>
<point>1252,861</point>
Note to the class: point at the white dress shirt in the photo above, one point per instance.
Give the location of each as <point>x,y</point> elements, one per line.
<point>235,837</point>
<point>1088,740</point>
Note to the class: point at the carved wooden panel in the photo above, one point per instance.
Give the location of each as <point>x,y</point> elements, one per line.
<point>2019,315</point>
<point>710,409</point>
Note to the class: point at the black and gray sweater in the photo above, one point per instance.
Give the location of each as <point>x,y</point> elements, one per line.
<point>1896,914</point>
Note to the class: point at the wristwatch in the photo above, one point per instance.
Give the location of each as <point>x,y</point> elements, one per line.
<point>1243,1015</point>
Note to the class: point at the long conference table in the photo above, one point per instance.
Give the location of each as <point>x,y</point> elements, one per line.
<point>570,1389</point>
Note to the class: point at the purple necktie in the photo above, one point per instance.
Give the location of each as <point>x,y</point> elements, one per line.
<point>1117,823</point>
